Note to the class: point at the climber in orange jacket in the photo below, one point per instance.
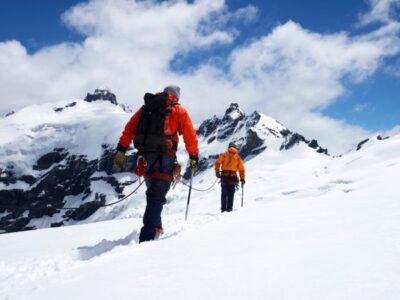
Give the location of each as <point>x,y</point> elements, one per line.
<point>226,168</point>
<point>154,130</point>
<point>177,121</point>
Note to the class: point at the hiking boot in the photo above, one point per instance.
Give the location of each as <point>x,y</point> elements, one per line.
<point>159,231</point>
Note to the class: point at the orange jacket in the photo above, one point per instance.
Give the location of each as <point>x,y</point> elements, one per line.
<point>230,162</point>
<point>176,121</point>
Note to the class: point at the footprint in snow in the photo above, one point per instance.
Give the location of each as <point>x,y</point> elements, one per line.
<point>290,193</point>
<point>342,181</point>
<point>392,165</point>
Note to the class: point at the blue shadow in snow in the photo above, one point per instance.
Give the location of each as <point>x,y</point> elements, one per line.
<point>88,252</point>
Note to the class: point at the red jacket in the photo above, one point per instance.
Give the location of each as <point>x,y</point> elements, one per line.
<point>177,121</point>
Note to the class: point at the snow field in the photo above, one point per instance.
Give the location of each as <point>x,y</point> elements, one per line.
<point>313,227</point>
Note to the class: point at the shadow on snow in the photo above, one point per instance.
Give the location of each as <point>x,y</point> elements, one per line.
<point>88,252</point>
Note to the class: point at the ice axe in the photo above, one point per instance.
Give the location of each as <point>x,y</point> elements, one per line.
<point>190,192</point>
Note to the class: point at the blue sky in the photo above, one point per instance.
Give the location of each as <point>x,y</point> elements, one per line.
<point>36,23</point>
<point>372,103</point>
<point>39,20</point>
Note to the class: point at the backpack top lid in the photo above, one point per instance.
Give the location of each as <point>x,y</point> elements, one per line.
<point>155,101</point>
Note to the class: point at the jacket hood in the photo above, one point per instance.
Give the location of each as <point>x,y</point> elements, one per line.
<point>232,150</point>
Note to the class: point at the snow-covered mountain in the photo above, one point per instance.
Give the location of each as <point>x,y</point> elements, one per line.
<point>58,156</point>
<point>312,227</point>
<point>252,135</point>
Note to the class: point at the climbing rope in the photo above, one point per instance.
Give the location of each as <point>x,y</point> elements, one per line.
<point>201,190</point>
<point>104,205</point>
<point>112,203</point>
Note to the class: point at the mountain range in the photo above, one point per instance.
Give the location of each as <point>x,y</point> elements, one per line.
<point>59,155</point>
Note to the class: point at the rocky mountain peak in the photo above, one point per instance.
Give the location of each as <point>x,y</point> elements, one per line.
<point>233,113</point>
<point>10,114</point>
<point>101,94</point>
<point>252,134</point>
<point>57,173</point>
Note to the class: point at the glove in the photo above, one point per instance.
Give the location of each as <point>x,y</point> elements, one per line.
<point>218,174</point>
<point>119,159</point>
<point>194,163</point>
<point>242,181</point>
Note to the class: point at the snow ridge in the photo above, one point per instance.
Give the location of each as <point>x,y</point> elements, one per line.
<point>327,227</point>
<point>60,155</point>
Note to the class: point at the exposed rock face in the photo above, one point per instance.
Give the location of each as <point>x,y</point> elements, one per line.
<point>380,138</point>
<point>8,177</point>
<point>101,95</point>
<point>233,116</point>
<point>209,126</point>
<point>60,109</point>
<point>46,187</point>
<point>293,139</point>
<point>86,209</point>
<point>47,160</point>
<point>64,175</point>
<point>360,144</point>
<point>253,145</point>
<point>250,133</point>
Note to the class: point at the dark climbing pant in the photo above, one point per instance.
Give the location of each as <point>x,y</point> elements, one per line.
<point>156,192</point>
<point>227,195</point>
<point>157,189</point>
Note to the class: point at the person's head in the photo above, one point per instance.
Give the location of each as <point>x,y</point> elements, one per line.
<point>173,89</point>
<point>232,145</point>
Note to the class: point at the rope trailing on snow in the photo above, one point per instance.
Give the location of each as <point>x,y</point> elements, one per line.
<point>109,204</point>
<point>75,208</point>
<point>201,190</point>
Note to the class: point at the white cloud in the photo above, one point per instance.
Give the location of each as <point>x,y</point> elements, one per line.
<point>298,66</point>
<point>290,73</point>
<point>298,73</point>
<point>393,69</point>
<point>128,46</point>
<point>246,14</point>
<point>381,11</point>
<point>392,132</point>
<point>360,107</point>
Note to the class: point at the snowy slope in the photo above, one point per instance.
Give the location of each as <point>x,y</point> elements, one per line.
<point>313,227</point>
<point>38,129</point>
<point>59,155</point>
<point>252,134</point>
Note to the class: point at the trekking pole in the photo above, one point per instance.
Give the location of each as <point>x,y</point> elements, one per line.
<point>242,193</point>
<point>190,192</point>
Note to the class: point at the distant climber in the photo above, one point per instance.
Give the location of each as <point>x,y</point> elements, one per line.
<point>154,130</point>
<point>226,168</point>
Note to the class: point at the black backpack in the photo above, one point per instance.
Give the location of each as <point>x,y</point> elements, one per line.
<point>150,135</point>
